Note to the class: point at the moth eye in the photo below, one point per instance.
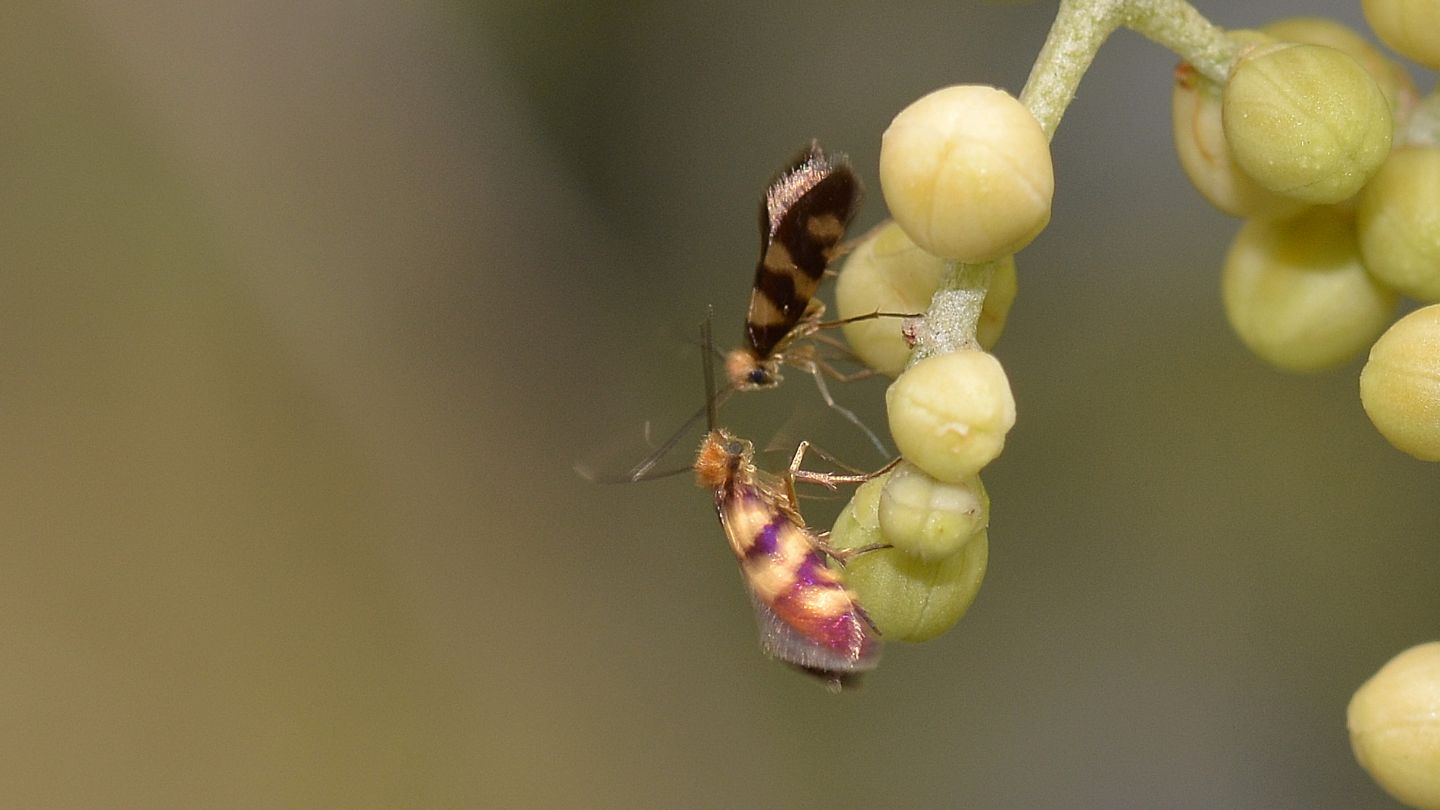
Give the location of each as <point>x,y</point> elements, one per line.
<point>759,377</point>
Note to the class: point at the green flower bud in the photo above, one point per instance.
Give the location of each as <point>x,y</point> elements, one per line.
<point>1297,295</point>
<point>1394,722</point>
<point>930,520</point>
<point>949,413</point>
<point>1205,154</point>
<point>1408,26</point>
<point>889,273</point>
<point>1399,223</point>
<point>908,598</point>
<point>1400,384</point>
<point>1389,75</point>
<point>885,273</point>
<point>1305,121</point>
<point>858,524</point>
<point>966,172</point>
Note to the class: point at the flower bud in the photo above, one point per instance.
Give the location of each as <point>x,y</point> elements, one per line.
<point>1389,75</point>
<point>1394,722</point>
<point>889,273</point>
<point>858,524</point>
<point>1004,285</point>
<point>908,598</point>
<point>928,519</point>
<point>1400,384</point>
<point>1398,222</point>
<point>1408,26</point>
<point>1305,121</point>
<point>1297,295</point>
<point>966,172</point>
<point>1205,154</point>
<point>949,413</point>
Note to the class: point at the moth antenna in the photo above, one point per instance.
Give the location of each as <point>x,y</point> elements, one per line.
<point>689,340</point>
<point>644,471</point>
<point>707,354</point>
<point>641,472</point>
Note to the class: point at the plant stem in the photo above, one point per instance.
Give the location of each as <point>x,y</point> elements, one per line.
<point>1176,25</point>
<point>1080,28</point>
<point>954,312</point>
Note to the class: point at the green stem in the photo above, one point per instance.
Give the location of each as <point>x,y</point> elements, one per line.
<point>954,312</point>
<point>1080,28</point>
<point>1176,25</point>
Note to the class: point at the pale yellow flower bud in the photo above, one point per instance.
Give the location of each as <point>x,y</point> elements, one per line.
<point>858,524</point>
<point>966,172</point>
<point>1408,26</point>
<point>1393,80</point>
<point>908,598</point>
<point>890,273</point>
<point>1305,121</point>
<point>949,413</point>
<point>1394,722</point>
<point>931,520</point>
<point>1398,221</point>
<point>1297,295</point>
<point>1205,154</point>
<point>1400,384</point>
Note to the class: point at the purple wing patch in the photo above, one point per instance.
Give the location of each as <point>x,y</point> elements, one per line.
<point>850,646</point>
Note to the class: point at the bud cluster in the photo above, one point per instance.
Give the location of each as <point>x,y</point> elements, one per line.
<point>1314,136</point>
<point>1309,139</point>
<point>967,176</point>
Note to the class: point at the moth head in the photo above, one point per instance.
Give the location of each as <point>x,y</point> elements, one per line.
<point>747,372</point>
<point>721,456</point>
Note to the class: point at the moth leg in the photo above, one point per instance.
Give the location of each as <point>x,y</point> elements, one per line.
<point>841,376</point>
<point>824,362</point>
<point>808,447</point>
<point>869,316</point>
<point>828,480</point>
<point>838,345</point>
<point>844,555</point>
<point>813,368</point>
<point>812,323</point>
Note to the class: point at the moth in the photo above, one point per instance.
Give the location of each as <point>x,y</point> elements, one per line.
<point>806,615</point>
<point>803,217</point>
<point>804,214</point>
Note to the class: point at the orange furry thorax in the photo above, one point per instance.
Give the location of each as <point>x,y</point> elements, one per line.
<point>720,458</point>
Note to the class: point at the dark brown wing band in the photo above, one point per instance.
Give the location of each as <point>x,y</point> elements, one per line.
<point>802,219</point>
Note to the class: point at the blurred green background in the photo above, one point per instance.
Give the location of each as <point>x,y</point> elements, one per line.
<point>306,311</point>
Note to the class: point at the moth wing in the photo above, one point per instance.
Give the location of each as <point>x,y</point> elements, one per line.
<point>803,216</point>
<point>785,643</point>
<point>612,465</point>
